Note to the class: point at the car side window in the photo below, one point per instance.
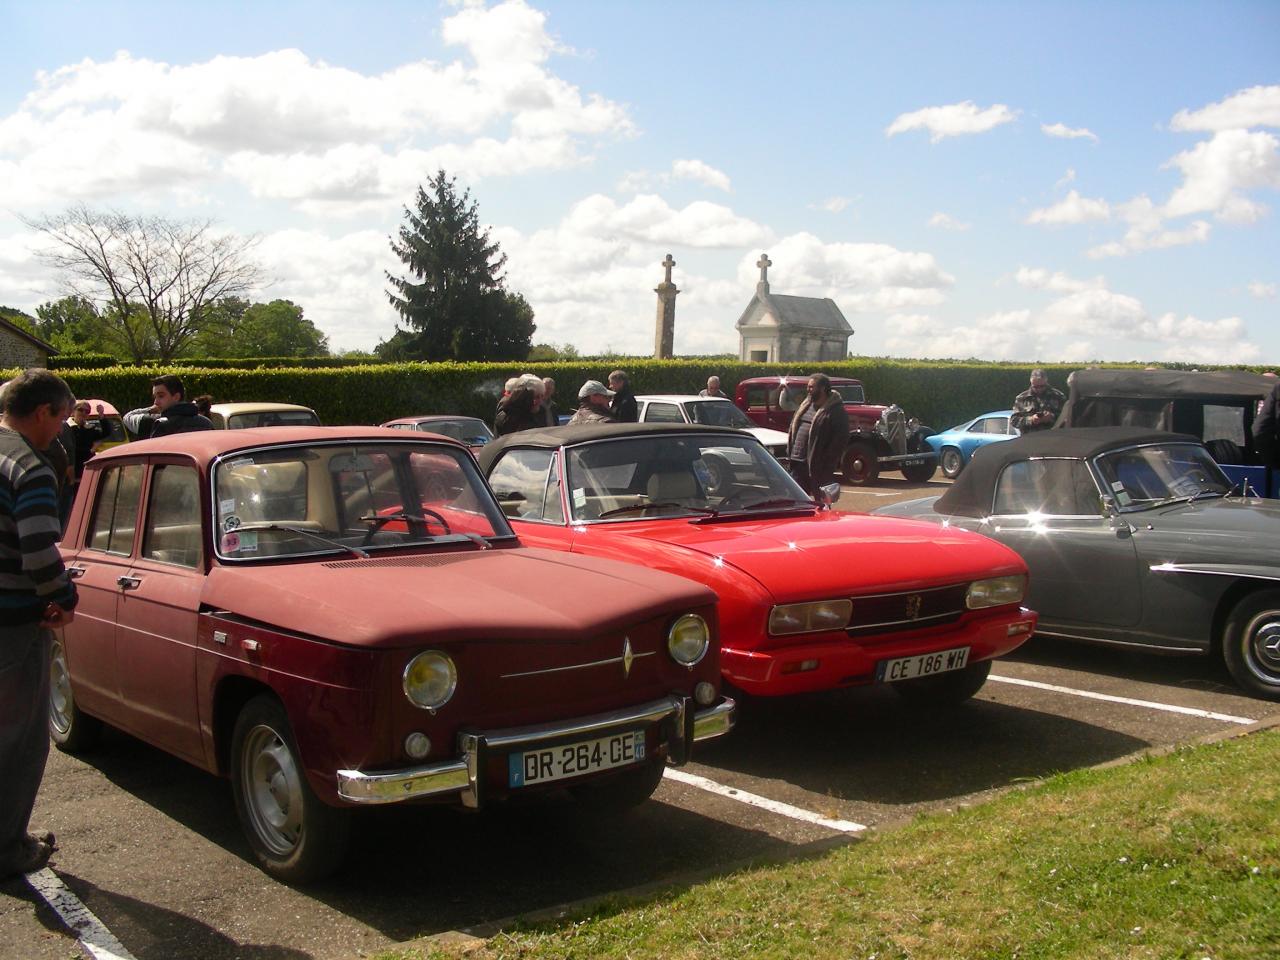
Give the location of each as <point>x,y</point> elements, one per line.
<point>173,530</point>
<point>520,482</point>
<point>757,396</point>
<point>982,426</point>
<point>662,413</point>
<point>1056,487</point>
<point>115,516</point>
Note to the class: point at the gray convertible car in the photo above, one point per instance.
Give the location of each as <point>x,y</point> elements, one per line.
<point>1132,537</point>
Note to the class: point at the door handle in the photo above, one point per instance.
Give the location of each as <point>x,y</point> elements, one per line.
<point>75,573</point>
<point>128,583</point>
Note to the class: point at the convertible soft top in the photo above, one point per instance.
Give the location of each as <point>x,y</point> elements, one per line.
<point>552,437</point>
<point>973,492</point>
<point>1230,386</point>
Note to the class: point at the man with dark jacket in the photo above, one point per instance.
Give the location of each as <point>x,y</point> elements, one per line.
<point>169,412</point>
<point>623,407</point>
<point>819,432</point>
<point>1266,429</point>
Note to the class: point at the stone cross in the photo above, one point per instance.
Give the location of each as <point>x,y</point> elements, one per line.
<point>764,263</point>
<point>668,263</point>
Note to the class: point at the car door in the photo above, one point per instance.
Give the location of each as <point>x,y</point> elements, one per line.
<point>157,613</point>
<point>526,482</point>
<point>99,567</point>
<point>1083,563</point>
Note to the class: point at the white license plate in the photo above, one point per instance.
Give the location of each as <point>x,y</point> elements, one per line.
<point>575,759</point>
<point>923,665</point>
<point>917,462</point>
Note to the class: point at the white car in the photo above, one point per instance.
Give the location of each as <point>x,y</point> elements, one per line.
<point>714,412</point>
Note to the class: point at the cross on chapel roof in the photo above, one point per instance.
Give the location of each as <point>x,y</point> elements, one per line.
<point>764,263</point>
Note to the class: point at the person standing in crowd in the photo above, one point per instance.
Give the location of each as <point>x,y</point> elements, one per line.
<point>170,412</point>
<point>1039,406</point>
<point>1266,429</point>
<point>818,434</point>
<point>520,408</point>
<point>713,388</point>
<point>593,404</point>
<point>36,596</point>
<point>550,414</point>
<point>204,404</point>
<point>624,407</point>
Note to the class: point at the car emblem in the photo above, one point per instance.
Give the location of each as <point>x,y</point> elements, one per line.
<point>627,658</point>
<point>913,606</point>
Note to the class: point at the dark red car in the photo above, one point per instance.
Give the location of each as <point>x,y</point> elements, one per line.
<point>342,616</point>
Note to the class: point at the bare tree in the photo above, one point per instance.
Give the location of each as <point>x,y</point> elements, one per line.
<point>154,276</point>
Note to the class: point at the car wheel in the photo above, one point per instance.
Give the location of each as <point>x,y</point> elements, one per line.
<point>621,791</point>
<point>295,836</point>
<point>860,464</point>
<point>1251,644</point>
<point>945,689</point>
<point>921,473</point>
<point>952,463</point>
<point>719,474</point>
<point>71,730</point>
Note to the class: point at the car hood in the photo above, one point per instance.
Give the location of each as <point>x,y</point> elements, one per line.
<point>500,594</point>
<point>768,436</point>
<point>840,554</point>
<point>1231,530</point>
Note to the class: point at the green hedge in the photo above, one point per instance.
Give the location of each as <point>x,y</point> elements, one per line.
<point>82,361</point>
<point>96,361</point>
<point>940,393</point>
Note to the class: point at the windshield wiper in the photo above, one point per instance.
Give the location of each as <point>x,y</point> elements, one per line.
<point>657,505</point>
<point>779,502</point>
<point>336,544</point>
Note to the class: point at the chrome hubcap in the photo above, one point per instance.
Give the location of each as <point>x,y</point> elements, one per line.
<point>61,704</point>
<point>273,790</point>
<point>1264,646</point>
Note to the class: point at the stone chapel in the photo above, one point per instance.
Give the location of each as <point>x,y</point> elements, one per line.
<point>775,328</point>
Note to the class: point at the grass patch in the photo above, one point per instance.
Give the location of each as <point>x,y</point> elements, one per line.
<point>1171,857</point>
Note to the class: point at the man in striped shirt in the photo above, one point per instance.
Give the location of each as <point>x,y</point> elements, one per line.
<point>36,596</point>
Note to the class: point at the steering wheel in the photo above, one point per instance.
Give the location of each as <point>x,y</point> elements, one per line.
<point>377,522</point>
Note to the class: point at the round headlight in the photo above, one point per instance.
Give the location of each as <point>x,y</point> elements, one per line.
<point>430,679</point>
<point>688,639</point>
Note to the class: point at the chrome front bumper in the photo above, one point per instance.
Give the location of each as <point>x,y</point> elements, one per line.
<point>685,726</point>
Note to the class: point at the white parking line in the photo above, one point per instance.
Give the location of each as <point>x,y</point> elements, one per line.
<point>775,806</point>
<point>100,943</point>
<point>1149,704</point>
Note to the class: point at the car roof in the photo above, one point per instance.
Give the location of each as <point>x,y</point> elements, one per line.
<point>792,379</point>
<point>683,398</point>
<point>434,418</point>
<point>205,445</point>
<point>983,416</point>
<point>972,493</point>
<point>548,438</point>
<point>108,409</point>
<point>1173,384</point>
<point>253,406</point>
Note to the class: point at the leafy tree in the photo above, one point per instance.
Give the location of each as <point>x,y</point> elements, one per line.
<point>453,300</point>
<point>155,276</point>
<point>553,351</point>
<point>20,319</point>
<point>278,329</point>
<point>73,325</point>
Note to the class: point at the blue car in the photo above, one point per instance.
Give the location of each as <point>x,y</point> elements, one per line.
<point>956,446</point>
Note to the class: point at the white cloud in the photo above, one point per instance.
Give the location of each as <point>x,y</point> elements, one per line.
<point>1008,335</point>
<point>944,221</point>
<point>1068,177</point>
<point>1038,278</point>
<point>1216,171</point>
<point>1138,239</point>
<point>952,120</point>
<point>1071,209</point>
<point>700,172</point>
<point>832,204</point>
<point>1255,107</point>
<point>1262,291</point>
<point>1063,132</point>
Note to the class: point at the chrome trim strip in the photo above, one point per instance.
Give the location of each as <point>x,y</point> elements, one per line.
<point>715,721</point>
<point>1116,643</point>
<point>1189,568</point>
<point>895,623</point>
<point>576,666</point>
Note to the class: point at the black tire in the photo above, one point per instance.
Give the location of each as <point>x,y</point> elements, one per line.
<point>945,689</point>
<point>621,791</point>
<point>720,474</point>
<point>861,464</point>
<point>71,729</point>
<point>294,835</point>
<point>920,473</point>
<point>952,462</point>
<point>1251,644</point>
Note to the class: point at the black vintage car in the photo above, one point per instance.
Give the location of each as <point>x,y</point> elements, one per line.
<point>1132,537</point>
<point>1217,407</point>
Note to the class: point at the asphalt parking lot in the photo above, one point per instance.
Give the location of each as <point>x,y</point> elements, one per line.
<point>151,845</point>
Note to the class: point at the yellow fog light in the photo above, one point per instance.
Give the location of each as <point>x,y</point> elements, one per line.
<point>688,639</point>
<point>705,694</point>
<point>417,745</point>
<point>810,617</point>
<point>995,592</point>
<point>430,679</point>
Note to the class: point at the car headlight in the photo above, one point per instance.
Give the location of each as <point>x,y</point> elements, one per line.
<point>995,592</point>
<point>430,679</point>
<point>810,617</point>
<point>688,639</point>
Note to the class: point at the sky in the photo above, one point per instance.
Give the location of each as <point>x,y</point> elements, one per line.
<point>1031,181</point>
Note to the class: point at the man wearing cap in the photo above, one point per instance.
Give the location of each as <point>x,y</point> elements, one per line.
<point>593,404</point>
<point>1038,407</point>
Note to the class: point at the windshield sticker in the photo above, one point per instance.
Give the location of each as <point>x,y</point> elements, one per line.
<point>242,462</point>
<point>1122,495</point>
<point>231,522</point>
<point>230,542</point>
<point>227,506</point>
<point>248,540</point>
<point>579,498</point>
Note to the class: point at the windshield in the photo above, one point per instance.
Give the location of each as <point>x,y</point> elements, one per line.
<point>717,413</point>
<point>643,477</point>
<point>273,418</point>
<point>467,429</point>
<point>1143,477</point>
<point>309,499</point>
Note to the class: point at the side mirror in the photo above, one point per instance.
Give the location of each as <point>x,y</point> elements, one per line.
<point>828,494</point>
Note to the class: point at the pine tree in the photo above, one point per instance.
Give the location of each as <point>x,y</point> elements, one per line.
<point>453,301</point>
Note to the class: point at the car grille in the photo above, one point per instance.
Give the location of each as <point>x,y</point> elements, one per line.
<point>911,610</point>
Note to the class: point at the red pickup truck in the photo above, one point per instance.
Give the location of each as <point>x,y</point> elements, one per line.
<point>880,437</point>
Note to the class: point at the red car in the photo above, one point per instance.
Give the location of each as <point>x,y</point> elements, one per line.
<point>342,616</point>
<point>810,599</point>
